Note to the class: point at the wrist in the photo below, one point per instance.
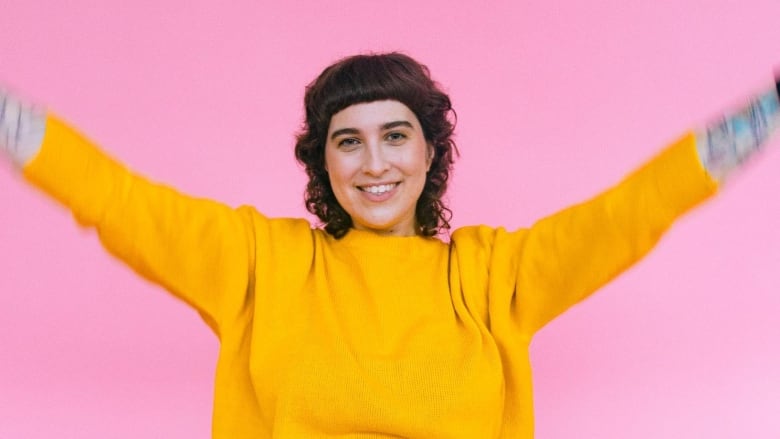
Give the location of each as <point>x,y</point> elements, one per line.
<point>22,128</point>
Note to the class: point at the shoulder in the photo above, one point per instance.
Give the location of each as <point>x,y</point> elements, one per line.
<point>264,227</point>
<point>482,238</point>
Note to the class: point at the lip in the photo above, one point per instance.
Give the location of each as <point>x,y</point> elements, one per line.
<point>378,198</point>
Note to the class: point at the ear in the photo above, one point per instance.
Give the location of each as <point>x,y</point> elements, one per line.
<point>429,154</point>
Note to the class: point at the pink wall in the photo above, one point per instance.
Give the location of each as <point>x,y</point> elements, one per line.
<point>556,100</point>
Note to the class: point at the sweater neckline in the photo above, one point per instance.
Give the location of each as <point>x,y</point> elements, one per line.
<point>367,240</point>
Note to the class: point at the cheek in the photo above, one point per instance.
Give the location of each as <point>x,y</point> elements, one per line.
<point>335,181</point>
<point>339,176</point>
<point>418,164</point>
<point>331,167</point>
<point>338,187</point>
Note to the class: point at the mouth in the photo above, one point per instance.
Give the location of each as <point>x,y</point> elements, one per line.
<point>378,189</point>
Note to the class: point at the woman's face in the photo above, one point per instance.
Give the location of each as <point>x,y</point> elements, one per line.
<point>377,158</point>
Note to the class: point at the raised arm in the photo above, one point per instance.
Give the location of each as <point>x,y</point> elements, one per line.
<point>568,255</point>
<point>199,250</point>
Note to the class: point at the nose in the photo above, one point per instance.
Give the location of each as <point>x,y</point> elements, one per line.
<point>374,162</point>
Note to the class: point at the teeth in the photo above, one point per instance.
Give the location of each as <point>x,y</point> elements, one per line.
<point>379,189</point>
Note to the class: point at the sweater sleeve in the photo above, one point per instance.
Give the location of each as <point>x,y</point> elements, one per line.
<point>199,250</point>
<point>566,256</point>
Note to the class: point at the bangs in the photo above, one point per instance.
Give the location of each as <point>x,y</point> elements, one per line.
<point>369,78</point>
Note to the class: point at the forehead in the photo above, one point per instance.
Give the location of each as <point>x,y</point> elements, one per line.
<point>372,115</point>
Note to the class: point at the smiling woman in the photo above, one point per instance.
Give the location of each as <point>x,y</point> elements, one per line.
<point>375,327</point>
<point>377,159</point>
<point>363,79</point>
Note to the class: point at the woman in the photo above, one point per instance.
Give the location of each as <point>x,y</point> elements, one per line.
<point>372,326</point>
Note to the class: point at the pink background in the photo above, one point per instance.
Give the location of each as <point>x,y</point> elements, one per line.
<point>556,100</point>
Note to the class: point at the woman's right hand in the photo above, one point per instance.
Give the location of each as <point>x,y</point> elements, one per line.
<point>22,126</point>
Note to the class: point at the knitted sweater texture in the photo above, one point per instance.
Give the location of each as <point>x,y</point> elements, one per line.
<point>367,336</point>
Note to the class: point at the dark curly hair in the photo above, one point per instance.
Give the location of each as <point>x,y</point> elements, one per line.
<point>367,78</point>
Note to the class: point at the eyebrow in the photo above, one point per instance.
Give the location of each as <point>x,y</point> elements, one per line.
<point>384,127</point>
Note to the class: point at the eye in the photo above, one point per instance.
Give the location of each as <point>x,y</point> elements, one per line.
<point>348,143</point>
<point>396,137</point>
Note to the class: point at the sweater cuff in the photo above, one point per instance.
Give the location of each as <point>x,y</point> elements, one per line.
<point>680,177</point>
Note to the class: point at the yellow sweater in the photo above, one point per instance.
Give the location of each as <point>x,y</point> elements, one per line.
<point>367,336</point>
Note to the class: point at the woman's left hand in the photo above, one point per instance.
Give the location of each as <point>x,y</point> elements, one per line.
<point>21,128</point>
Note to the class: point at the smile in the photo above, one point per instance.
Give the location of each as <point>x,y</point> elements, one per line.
<point>379,188</point>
